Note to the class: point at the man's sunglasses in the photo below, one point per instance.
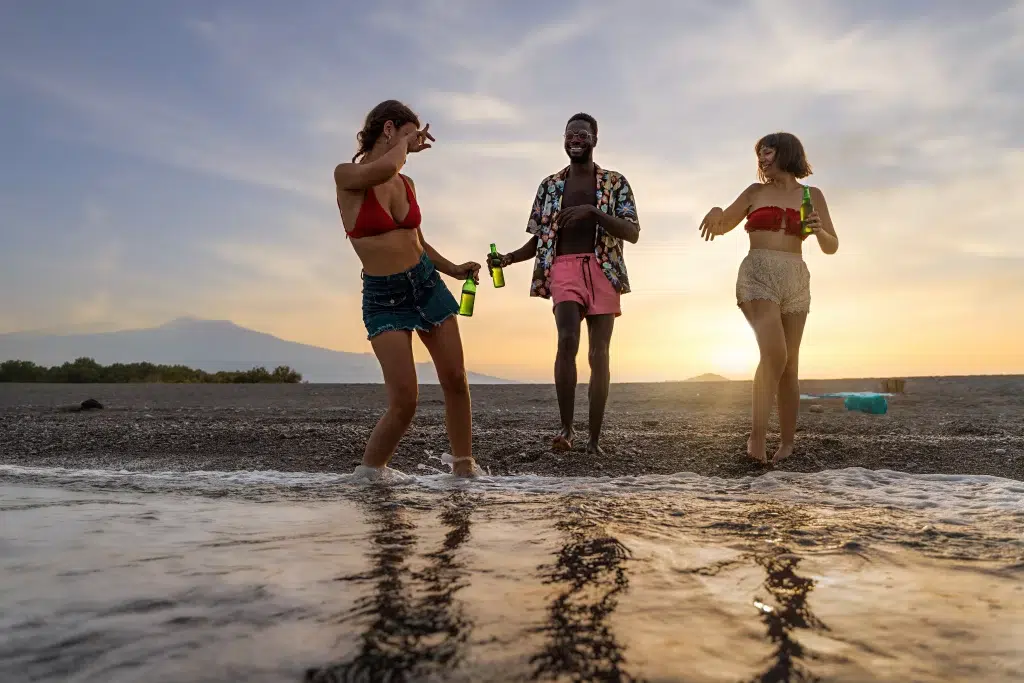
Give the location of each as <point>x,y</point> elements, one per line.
<point>582,136</point>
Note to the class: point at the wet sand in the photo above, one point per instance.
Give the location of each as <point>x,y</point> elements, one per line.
<point>951,425</point>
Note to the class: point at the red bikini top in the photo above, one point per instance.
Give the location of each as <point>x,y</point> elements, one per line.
<point>374,220</point>
<point>772,218</point>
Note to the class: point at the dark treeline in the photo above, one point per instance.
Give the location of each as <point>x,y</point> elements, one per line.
<point>86,370</point>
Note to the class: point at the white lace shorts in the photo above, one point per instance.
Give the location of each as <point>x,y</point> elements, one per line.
<point>778,276</point>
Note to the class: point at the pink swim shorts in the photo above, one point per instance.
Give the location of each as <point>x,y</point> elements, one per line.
<point>578,278</point>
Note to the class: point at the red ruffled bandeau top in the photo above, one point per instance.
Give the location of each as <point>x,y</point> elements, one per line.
<point>774,218</point>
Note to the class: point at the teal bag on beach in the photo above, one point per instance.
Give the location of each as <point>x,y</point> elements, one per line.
<point>875,404</point>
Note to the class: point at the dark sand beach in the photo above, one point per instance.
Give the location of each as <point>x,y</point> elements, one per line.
<point>951,425</point>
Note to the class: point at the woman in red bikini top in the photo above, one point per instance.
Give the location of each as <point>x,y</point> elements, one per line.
<point>773,283</point>
<point>402,290</point>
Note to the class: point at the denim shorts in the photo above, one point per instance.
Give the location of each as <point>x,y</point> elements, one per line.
<point>415,299</point>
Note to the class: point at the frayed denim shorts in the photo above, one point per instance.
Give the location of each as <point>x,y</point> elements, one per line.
<point>415,299</point>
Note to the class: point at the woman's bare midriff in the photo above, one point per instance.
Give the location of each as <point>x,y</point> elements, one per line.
<point>775,241</point>
<point>392,252</point>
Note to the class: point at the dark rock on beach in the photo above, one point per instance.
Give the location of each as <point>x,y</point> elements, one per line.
<point>87,404</point>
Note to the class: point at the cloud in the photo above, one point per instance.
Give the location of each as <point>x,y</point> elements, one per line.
<point>758,52</point>
<point>472,108</point>
<point>94,307</point>
<point>307,257</point>
<point>144,126</point>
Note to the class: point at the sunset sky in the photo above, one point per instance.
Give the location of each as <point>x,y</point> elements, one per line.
<point>176,158</point>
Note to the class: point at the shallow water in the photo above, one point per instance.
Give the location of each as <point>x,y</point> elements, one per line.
<point>848,575</point>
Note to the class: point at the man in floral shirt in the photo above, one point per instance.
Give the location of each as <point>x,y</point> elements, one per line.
<point>579,220</point>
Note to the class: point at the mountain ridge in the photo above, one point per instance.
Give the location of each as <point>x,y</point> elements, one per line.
<point>209,345</point>
<point>708,377</point>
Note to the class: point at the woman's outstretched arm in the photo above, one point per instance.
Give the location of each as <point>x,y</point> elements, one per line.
<point>719,221</point>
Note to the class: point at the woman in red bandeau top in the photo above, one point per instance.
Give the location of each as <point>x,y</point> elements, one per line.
<point>402,290</point>
<point>773,287</point>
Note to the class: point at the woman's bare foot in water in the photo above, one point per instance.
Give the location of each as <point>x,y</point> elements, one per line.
<point>757,454</point>
<point>594,449</point>
<point>785,450</point>
<point>563,442</point>
<point>465,467</point>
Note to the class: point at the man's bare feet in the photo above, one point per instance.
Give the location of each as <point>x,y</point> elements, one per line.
<point>756,453</point>
<point>594,449</point>
<point>563,441</point>
<point>785,450</point>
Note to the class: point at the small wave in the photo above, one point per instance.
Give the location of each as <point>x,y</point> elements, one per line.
<point>948,494</point>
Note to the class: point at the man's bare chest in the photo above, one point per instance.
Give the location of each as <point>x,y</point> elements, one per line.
<point>578,193</point>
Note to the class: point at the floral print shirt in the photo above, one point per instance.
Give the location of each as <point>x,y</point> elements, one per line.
<point>614,197</point>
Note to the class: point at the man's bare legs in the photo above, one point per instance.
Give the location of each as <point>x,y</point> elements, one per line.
<point>766,320</point>
<point>567,319</point>
<point>789,385</point>
<point>599,337</point>
<point>394,351</point>
<point>444,343</point>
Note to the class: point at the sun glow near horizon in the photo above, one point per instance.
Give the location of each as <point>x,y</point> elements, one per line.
<point>734,362</point>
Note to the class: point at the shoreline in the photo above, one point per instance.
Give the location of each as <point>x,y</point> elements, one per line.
<point>948,425</point>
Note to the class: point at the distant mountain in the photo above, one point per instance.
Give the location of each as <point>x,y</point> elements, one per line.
<point>209,345</point>
<point>708,377</point>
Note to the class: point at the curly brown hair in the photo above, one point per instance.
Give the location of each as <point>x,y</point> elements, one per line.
<point>789,154</point>
<point>388,110</point>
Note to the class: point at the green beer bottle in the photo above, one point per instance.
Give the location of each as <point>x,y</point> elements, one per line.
<point>805,210</point>
<point>497,275</point>
<point>468,297</point>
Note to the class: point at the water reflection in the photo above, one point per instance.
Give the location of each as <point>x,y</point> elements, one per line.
<point>416,624</point>
<point>591,573</point>
<point>790,612</point>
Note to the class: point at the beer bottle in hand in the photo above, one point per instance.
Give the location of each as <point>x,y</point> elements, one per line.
<point>805,210</point>
<point>468,296</point>
<point>497,275</point>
